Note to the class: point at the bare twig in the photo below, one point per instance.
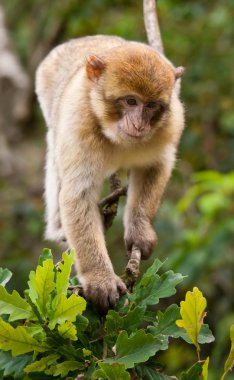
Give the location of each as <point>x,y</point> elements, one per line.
<point>113,197</point>
<point>109,205</point>
<point>132,269</point>
<point>152,25</point>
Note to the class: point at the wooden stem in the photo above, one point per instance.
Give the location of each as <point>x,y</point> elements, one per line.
<point>152,25</point>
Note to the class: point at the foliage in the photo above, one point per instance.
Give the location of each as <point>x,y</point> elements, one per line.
<point>198,241</point>
<point>57,335</point>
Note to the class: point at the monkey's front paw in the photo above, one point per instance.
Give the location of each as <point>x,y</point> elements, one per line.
<point>144,238</point>
<point>103,289</point>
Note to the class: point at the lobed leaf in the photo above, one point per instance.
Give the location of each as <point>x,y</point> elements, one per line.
<point>135,349</point>
<point>152,270</point>
<point>194,373</point>
<point>62,369</point>
<point>153,288</point>
<point>42,364</point>
<point>192,311</point>
<point>13,367</point>
<point>14,305</point>
<point>166,324</point>
<point>205,335</point>
<point>113,371</point>
<point>18,340</point>
<point>41,284</point>
<point>64,270</point>
<point>148,373</point>
<point>66,309</point>
<point>46,254</point>
<point>68,331</point>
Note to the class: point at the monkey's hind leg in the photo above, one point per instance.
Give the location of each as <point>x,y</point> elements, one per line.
<point>54,230</point>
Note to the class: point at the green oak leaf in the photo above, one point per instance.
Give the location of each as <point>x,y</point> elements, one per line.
<point>113,371</point>
<point>13,367</point>
<point>5,276</point>
<point>62,369</point>
<point>14,305</point>
<point>41,284</point>
<point>148,373</point>
<point>46,254</point>
<point>114,322</point>
<point>151,271</point>
<point>18,340</point>
<point>135,349</point>
<point>194,373</point>
<point>66,309</point>
<point>134,318</point>
<point>63,273</point>
<point>42,364</point>
<point>166,323</point>
<point>156,287</point>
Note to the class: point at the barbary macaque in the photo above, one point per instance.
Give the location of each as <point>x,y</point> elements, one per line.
<point>108,104</point>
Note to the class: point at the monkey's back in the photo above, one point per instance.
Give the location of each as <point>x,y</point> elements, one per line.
<point>63,62</point>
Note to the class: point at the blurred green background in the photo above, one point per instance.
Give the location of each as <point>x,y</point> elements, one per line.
<point>195,223</point>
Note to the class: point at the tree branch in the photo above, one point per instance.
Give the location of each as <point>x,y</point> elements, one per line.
<point>152,25</point>
<point>109,205</point>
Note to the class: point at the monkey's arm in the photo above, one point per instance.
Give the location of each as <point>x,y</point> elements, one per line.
<point>146,187</point>
<point>80,182</point>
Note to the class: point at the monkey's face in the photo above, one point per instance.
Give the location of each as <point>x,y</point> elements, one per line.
<point>132,119</point>
<point>131,92</point>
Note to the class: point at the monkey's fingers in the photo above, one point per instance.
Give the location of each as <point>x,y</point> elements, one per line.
<point>122,288</point>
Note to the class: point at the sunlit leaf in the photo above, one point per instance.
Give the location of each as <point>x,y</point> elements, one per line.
<point>63,273</point>
<point>230,360</point>
<point>62,369</point>
<point>14,305</point>
<point>42,364</point>
<point>18,340</point>
<point>113,371</point>
<point>205,335</point>
<point>192,311</point>
<point>67,309</point>
<point>41,283</point>
<point>205,369</point>
<point>68,330</point>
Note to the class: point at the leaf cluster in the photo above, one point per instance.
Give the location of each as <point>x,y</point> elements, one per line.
<point>53,333</point>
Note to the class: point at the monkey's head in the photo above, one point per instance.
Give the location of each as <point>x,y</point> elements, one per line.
<point>131,91</point>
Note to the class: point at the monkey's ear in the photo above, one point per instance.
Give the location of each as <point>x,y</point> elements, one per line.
<point>179,71</point>
<point>94,67</point>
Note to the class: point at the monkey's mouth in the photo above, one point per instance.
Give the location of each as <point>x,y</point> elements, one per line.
<point>135,134</point>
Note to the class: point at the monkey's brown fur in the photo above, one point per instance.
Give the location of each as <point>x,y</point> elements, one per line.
<point>87,89</point>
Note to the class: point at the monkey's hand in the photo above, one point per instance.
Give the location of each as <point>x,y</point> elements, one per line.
<point>141,235</point>
<point>103,289</point>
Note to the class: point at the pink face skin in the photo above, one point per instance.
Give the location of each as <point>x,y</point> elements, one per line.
<point>137,115</point>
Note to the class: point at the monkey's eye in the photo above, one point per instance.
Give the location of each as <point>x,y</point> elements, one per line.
<point>152,105</point>
<point>131,101</point>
